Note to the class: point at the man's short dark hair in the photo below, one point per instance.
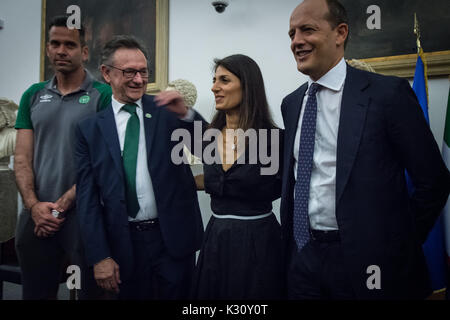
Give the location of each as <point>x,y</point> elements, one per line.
<point>337,15</point>
<point>61,21</point>
<point>121,41</point>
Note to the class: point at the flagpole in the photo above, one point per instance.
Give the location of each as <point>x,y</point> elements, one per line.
<point>421,54</point>
<point>417,33</point>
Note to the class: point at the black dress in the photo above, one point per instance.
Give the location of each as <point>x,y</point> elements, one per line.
<point>241,259</point>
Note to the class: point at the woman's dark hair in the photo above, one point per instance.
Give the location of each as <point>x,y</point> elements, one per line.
<point>254,110</point>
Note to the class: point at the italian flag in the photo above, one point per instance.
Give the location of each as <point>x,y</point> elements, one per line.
<point>446,156</point>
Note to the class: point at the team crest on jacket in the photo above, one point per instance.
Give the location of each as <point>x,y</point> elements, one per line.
<point>45,98</point>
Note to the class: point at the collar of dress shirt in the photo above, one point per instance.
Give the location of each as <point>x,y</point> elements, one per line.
<point>333,79</point>
<point>116,105</point>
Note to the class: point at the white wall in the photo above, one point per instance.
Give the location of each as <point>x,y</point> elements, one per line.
<point>438,89</point>
<point>20,42</point>
<point>257,28</point>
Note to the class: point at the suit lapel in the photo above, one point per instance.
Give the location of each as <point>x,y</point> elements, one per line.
<point>151,114</point>
<point>291,122</point>
<point>351,124</point>
<point>108,128</point>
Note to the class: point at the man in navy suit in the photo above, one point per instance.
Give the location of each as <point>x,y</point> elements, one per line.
<point>351,229</point>
<point>138,211</point>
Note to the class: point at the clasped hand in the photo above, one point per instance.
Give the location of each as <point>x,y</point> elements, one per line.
<point>46,223</point>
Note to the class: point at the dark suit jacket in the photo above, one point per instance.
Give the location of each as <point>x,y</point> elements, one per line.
<point>382,132</point>
<point>101,207</point>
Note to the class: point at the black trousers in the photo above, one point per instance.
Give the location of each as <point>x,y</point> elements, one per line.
<point>317,272</point>
<point>157,275</point>
<point>42,259</point>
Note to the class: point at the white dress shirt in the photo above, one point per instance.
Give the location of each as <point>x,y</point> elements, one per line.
<point>322,192</point>
<point>144,187</point>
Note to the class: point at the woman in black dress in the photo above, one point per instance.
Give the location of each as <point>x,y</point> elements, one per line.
<point>241,257</point>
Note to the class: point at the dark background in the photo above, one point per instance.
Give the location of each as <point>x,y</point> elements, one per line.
<point>105,18</point>
<point>396,36</point>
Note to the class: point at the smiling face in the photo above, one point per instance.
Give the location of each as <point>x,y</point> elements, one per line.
<point>317,47</point>
<point>65,51</point>
<point>126,90</point>
<point>227,89</point>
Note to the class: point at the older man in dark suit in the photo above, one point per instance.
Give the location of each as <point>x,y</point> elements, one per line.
<point>139,214</point>
<point>351,229</point>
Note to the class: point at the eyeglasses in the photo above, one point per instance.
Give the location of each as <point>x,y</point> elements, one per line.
<point>131,73</point>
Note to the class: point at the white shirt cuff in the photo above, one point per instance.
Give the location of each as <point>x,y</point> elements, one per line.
<point>189,117</point>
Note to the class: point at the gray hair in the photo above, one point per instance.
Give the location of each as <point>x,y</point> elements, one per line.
<point>118,42</point>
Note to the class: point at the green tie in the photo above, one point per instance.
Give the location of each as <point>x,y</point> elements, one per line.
<point>130,154</point>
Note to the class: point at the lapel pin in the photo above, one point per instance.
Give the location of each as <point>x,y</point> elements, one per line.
<point>148,115</point>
